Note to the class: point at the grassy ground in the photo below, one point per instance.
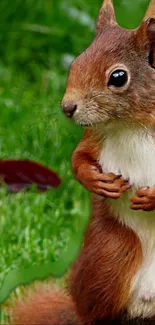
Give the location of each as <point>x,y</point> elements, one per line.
<point>34,228</point>
<point>37,48</point>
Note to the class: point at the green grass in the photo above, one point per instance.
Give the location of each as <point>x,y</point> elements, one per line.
<point>37,46</point>
<point>34,228</point>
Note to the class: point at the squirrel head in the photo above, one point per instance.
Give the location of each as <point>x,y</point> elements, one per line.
<point>114,78</point>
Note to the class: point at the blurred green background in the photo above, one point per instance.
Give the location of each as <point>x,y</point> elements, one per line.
<point>38,41</point>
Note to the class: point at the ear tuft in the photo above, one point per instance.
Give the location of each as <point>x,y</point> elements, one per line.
<point>151,36</point>
<point>145,39</point>
<point>106,17</point>
<point>151,30</point>
<point>151,10</point>
<point>145,32</point>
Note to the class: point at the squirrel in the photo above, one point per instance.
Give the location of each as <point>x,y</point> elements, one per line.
<point>111,93</point>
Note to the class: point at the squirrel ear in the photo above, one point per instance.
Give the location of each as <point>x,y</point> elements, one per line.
<point>151,30</point>
<point>145,38</point>
<point>151,36</point>
<point>151,9</point>
<point>106,17</point>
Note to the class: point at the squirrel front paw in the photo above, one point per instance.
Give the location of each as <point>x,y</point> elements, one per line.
<point>144,199</point>
<point>107,185</point>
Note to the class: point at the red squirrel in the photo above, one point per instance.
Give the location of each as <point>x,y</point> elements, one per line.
<point>111,93</point>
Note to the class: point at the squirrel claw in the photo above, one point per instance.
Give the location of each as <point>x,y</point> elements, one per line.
<point>144,199</point>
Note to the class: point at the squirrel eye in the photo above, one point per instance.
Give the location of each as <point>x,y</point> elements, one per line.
<point>118,78</point>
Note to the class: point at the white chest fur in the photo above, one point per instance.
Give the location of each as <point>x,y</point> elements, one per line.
<point>131,153</point>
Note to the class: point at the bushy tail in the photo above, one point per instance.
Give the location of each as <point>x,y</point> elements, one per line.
<point>45,306</point>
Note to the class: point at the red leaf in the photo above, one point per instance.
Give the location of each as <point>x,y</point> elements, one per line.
<point>21,174</point>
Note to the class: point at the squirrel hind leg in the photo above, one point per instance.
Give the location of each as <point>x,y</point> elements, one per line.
<point>45,306</point>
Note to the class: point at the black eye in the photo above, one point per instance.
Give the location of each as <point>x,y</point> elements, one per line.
<point>118,78</point>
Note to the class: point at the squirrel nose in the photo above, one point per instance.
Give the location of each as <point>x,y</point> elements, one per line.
<point>69,108</point>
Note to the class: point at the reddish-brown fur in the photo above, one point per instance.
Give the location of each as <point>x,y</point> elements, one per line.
<point>95,61</point>
<point>101,277</point>
<point>87,170</point>
<point>45,306</point>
